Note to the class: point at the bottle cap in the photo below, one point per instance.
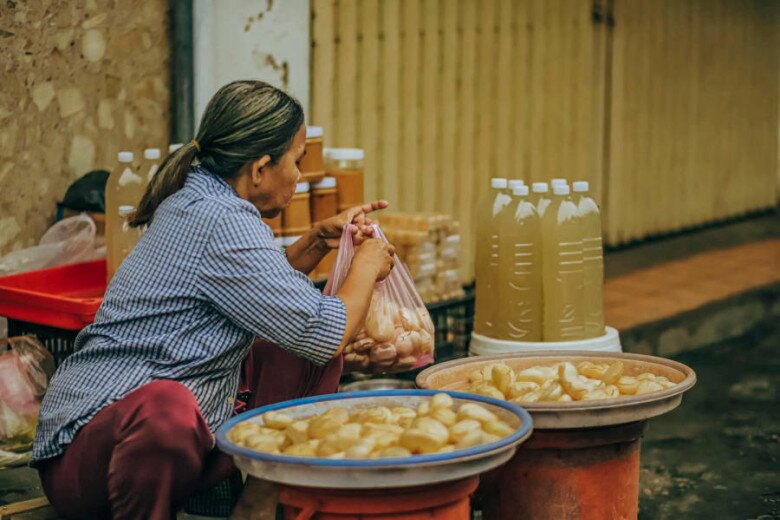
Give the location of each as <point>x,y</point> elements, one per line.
<point>558,181</point>
<point>302,187</point>
<point>540,187</point>
<point>515,182</point>
<point>125,157</point>
<point>325,183</point>
<point>152,154</point>
<point>173,147</point>
<point>498,183</point>
<point>581,186</point>
<point>312,132</point>
<point>125,211</point>
<point>561,189</point>
<point>520,191</point>
<point>346,154</point>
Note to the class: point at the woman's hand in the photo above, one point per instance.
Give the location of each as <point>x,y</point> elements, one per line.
<point>330,230</point>
<point>376,257</point>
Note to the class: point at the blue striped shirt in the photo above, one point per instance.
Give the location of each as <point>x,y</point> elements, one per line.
<point>203,282</point>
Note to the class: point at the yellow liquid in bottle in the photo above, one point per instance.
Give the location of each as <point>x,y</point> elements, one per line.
<point>562,272</point>
<point>519,297</point>
<point>593,266</point>
<point>487,262</point>
<point>123,187</point>
<point>123,241</point>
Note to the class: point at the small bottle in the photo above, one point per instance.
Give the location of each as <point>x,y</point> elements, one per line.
<point>346,165</point>
<point>312,161</point>
<point>152,156</point>
<point>296,218</point>
<point>124,187</point>
<point>540,197</point>
<point>324,204</point>
<point>562,270</point>
<point>126,237</point>
<point>592,259</point>
<point>520,288</point>
<point>487,256</point>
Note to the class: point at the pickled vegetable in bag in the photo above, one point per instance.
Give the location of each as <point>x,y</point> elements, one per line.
<point>398,333</point>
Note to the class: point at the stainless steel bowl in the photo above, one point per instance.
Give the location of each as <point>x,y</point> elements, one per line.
<point>377,384</point>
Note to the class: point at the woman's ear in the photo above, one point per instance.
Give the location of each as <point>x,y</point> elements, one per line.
<point>259,168</point>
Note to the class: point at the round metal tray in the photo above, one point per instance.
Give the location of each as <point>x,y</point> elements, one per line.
<point>377,384</point>
<point>376,473</point>
<point>453,376</point>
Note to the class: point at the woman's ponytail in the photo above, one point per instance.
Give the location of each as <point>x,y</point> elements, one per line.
<point>244,121</point>
<point>168,180</point>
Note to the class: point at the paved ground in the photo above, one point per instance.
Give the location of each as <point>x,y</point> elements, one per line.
<point>718,455</point>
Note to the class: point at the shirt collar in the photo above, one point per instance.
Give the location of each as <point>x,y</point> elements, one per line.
<point>206,183</point>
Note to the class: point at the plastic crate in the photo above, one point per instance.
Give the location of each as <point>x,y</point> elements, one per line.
<point>59,342</point>
<point>65,297</point>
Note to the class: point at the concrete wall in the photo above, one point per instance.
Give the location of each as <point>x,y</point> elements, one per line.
<point>251,39</point>
<point>79,80</point>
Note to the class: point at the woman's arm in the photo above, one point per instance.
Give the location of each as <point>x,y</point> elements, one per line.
<point>307,251</point>
<point>251,283</point>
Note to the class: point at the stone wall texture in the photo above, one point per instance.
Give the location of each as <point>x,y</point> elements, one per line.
<point>80,80</point>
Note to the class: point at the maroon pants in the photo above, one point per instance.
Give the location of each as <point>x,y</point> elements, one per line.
<point>146,454</point>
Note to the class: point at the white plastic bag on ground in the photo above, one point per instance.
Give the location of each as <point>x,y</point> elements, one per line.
<point>69,240</point>
<point>25,369</point>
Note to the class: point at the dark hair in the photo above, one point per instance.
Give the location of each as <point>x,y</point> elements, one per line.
<point>244,121</point>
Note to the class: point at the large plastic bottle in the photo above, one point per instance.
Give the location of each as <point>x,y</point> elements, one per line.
<point>124,187</point>
<point>125,237</point>
<point>562,271</point>
<point>540,196</point>
<point>152,162</point>
<point>487,257</point>
<point>520,277</point>
<point>593,260</point>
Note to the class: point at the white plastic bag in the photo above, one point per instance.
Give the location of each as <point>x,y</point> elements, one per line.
<point>69,240</point>
<point>25,369</point>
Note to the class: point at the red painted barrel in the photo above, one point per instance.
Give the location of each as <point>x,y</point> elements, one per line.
<point>446,501</point>
<point>582,474</point>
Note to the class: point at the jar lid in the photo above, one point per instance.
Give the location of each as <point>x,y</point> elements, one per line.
<point>346,154</point>
<point>313,132</point>
<point>302,187</point>
<point>326,183</point>
<point>125,211</point>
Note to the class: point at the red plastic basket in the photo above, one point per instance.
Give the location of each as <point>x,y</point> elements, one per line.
<point>65,297</point>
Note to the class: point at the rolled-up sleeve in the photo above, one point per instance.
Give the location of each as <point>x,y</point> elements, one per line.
<point>250,281</point>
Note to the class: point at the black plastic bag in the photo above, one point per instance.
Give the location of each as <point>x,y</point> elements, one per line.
<point>88,193</point>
